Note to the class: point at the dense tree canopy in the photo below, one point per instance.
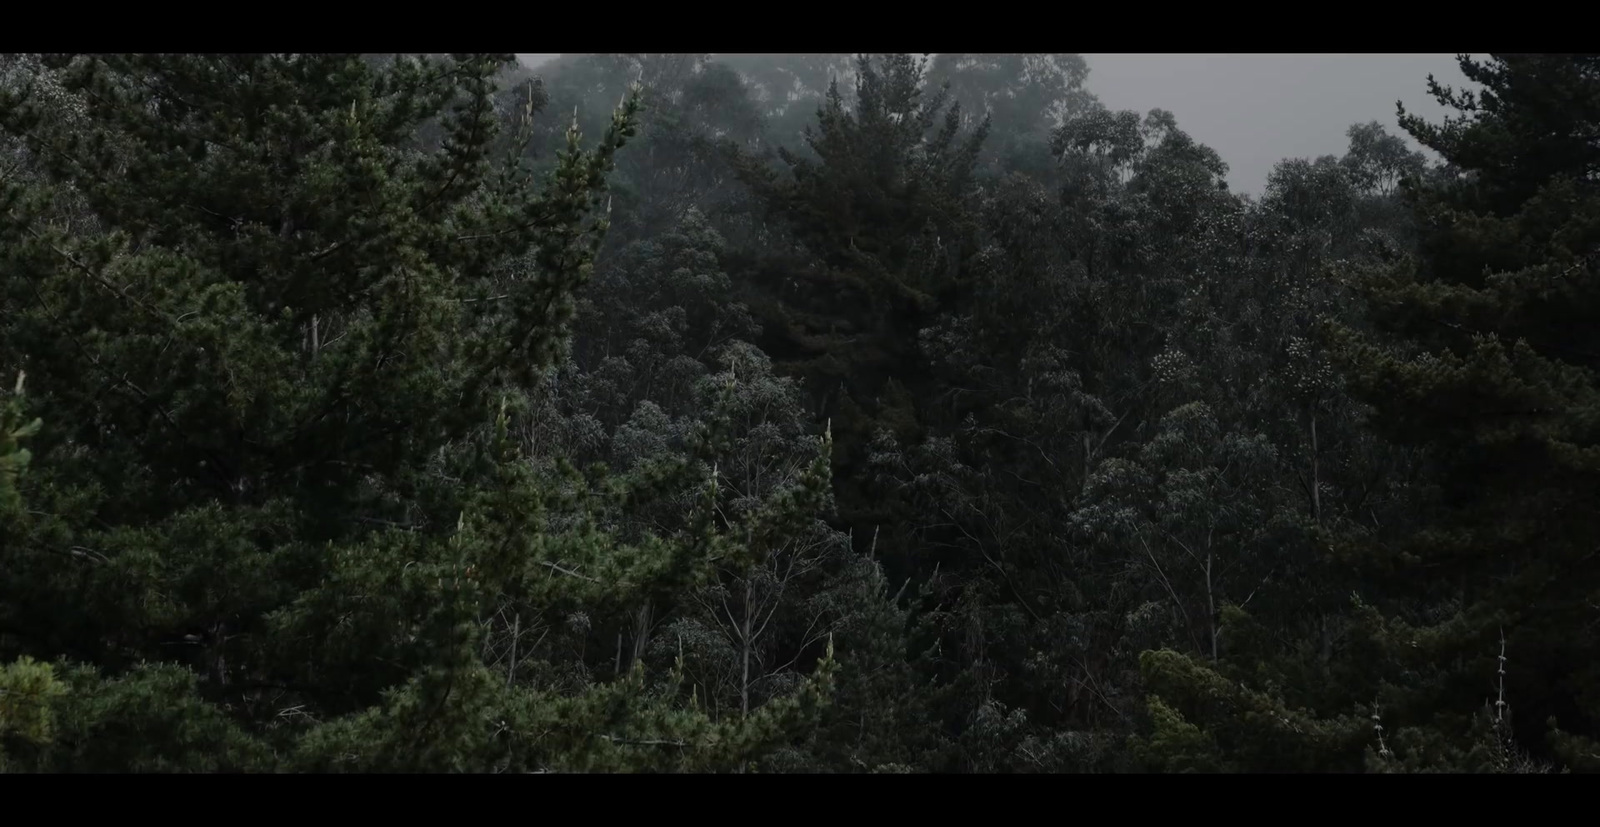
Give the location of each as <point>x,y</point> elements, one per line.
<point>802,413</point>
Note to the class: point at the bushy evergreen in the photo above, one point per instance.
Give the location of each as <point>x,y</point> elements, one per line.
<point>825,413</point>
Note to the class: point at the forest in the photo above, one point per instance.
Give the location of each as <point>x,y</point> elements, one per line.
<point>810,413</point>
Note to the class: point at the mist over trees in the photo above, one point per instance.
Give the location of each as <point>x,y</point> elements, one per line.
<point>786,413</point>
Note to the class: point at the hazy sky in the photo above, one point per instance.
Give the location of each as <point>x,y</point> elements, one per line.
<point>1256,109</point>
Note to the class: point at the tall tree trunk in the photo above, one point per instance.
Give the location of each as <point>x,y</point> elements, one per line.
<point>1211,607</point>
<point>744,637</point>
<point>641,633</point>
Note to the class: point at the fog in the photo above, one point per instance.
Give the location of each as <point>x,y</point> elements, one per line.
<point>799,413</point>
<point>1257,109</point>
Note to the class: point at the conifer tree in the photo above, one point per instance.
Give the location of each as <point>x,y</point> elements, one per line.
<point>883,232</point>
<point>26,686</point>
<point>278,499</point>
<point>1489,365</point>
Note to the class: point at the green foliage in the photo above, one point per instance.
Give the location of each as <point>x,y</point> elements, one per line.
<point>285,350</point>
<point>1244,731</point>
<point>27,691</point>
<point>151,718</point>
<point>1175,745</point>
<point>14,427</point>
<point>882,235</point>
<point>1484,364</point>
<point>376,423</point>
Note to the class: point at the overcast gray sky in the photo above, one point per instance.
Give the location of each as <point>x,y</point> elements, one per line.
<point>1258,109</point>
<point>1255,110</point>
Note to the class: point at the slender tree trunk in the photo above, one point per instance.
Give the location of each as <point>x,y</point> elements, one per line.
<point>516,632</point>
<point>641,633</point>
<point>1211,606</point>
<point>744,683</point>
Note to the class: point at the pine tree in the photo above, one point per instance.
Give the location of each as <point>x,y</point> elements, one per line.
<point>1490,366</point>
<point>882,234</point>
<point>26,686</point>
<point>278,501</point>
